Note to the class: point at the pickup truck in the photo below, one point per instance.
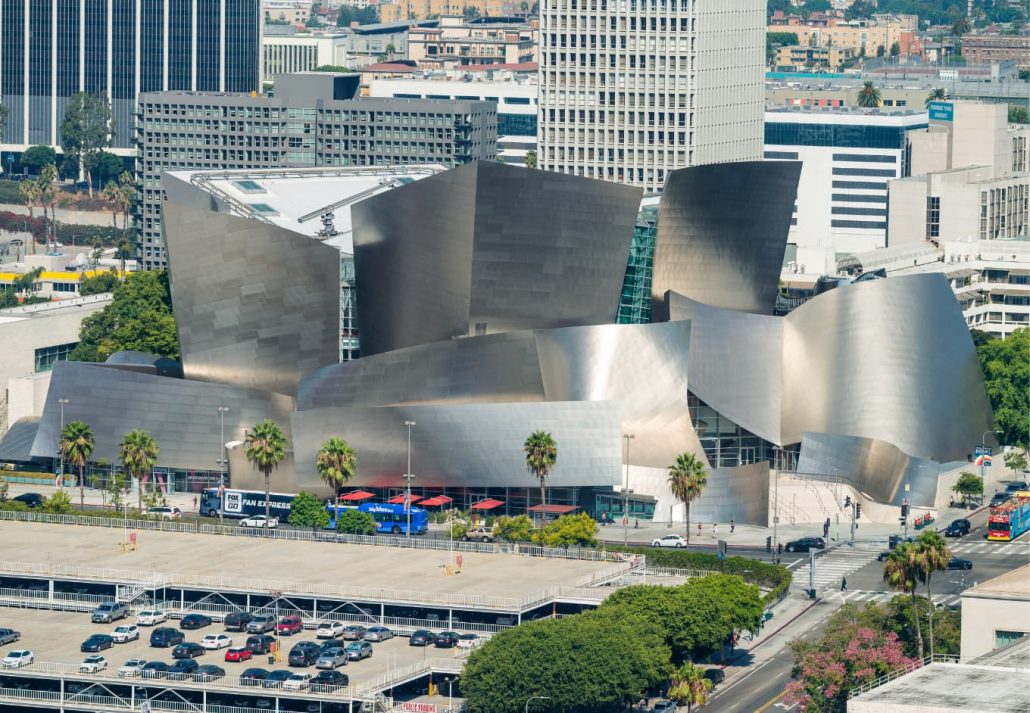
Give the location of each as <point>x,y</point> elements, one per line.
<point>479,534</point>
<point>109,612</point>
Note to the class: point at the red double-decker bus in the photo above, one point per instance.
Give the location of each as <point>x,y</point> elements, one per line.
<point>1010,519</point>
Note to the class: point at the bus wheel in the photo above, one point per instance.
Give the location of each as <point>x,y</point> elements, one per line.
<point>396,530</point>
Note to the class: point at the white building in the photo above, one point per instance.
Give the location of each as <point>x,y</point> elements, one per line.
<point>288,54</point>
<point>633,89</point>
<point>995,613</point>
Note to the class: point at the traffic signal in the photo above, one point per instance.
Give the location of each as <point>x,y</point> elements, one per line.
<point>904,511</point>
<point>847,501</point>
<point>768,544</point>
<point>858,510</point>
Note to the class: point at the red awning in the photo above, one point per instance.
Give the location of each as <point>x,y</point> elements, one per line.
<point>357,495</point>
<point>438,500</point>
<point>399,499</point>
<point>560,509</point>
<point>488,504</point>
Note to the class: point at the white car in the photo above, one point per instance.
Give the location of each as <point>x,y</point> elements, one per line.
<point>297,682</point>
<point>93,664</point>
<point>150,617</point>
<point>132,668</point>
<point>258,521</point>
<point>669,541</point>
<point>166,512</point>
<point>216,641</point>
<point>17,658</point>
<point>125,633</point>
<point>329,629</point>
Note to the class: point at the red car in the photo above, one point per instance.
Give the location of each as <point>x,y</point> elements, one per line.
<point>290,625</point>
<point>238,654</point>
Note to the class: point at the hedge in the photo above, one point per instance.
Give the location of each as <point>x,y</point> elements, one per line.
<point>82,234</point>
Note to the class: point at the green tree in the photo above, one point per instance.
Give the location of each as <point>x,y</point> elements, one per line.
<point>87,129</point>
<point>898,614</point>
<point>266,448</point>
<point>1019,114</point>
<point>932,555</point>
<point>77,446</point>
<point>349,14</point>
<point>117,489</point>
<point>1015,461</point>
<point>333,68</point>
<point>568,531</point>
<point>28,191</point>
<point>541,456</point>
<point>99,283</point>
<point>355,522</point>
<point>900,571</point>
<point>471,12</point>
<point>895,48</point>
<point>36,157</point>
<point>968,486</point>
<point>4,113</point>
<point>741,606</point>
<point>531,159</point>
<point>775,40</point>
<point>936,94</point>
<point>60,503</point>
<point>107,168</point>
<point>308,510</point>
<point>138,453</point>
<point>869,96</point>
<point>687,480</point>
<point>1006,368</point>
<point>336,463</point>
<point>514,529</point>
<point>47,192</point>
<point>961,26</point>
<point>689,686</point>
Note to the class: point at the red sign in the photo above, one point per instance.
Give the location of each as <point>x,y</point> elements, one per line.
<point>410,707</point>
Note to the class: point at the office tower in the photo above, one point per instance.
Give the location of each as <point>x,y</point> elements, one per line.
<point>633,89</point>
<point>53,49</point>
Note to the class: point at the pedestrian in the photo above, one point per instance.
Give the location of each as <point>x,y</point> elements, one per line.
<point>636,523</point>
<point>194,503</point>
<point>715,531</point>
<point>843,584</point>
<point>732,525</point>
<point>698,529</point>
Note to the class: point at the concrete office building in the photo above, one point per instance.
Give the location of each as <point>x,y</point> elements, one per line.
<point>313,120</point>
<point>847,156</point>
<point>53,49</point>
<point>302,52</point>
<point>995,613</point>
<point>630,91</point>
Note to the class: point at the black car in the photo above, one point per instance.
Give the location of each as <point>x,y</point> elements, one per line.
<point>275,679</point>
<point>304,654</point>
<point>1015,487</point>
<point>238,620</point>
<point>328,681</point>
<point>260,644</point>
<point>208,672</point>
<point>999,498</point>
<point>155,669</point>
<point>97,642</point>
<point>29,500</point>
<point>446,640</point>
<point>253,676</point>
<point>421,637</point>
<point>882,557</point>
<point>165,636</point>
<point>805,544</point>
<point>188,650</point>
<point>715,675</point>
<point>957,528</point>
<point>182,669</point>
<point>957,563</point>
<point>195,621</point>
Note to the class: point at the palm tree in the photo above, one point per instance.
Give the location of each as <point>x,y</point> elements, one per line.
<point>336,463</point>
<point>900,572</point>
<point>138,453</point>
<point>932,555</point>
<point>690,686</point>
<point>541,455</point>
<point>266,447</point>
<point>961,26</point>
<point>869,96</point>
<point>687,478</point>
<point>77,446</point>
<point>28,191</point>
<point>936,94</point>
<point>47,196</point>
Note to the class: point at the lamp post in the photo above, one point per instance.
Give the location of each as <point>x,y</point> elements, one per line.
<point>535,698</point>
<point>983,453</point>
<point>222,461</point>
<point>407,481</point>
<point>60,450</point>
<point>625,494</point>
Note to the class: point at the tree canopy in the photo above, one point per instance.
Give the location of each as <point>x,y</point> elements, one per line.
<point>1006,368</point>
<point>568,531</point>
<point>36,157</point>
<point>98,284</point>
<point>350,14</point>
<point>307,510</point>
<point>87,129</point>
<point>355,522</point>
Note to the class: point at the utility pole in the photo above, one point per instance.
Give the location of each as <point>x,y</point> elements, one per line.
<point>407,479</point>
<point>625,494</point>
<point>60,449</point>
<point>222,462</point>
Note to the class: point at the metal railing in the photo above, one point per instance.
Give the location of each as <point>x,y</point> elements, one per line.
<point>898,673</point>
<point>407,673</point>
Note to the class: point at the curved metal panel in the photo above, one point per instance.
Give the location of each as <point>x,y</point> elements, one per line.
<point>256,305</point>
<point>740,494</point>
<point>722,232</point>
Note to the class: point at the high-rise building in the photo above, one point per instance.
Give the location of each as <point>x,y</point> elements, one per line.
<point>53,49</point>
<point>633,89</point>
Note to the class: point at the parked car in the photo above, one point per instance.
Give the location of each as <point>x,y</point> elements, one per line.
<point>216,641</point>
<point>109,612</point>
<point>378,633</point>
<point>259,521</point>
<point>329,629</point>
<point>421,637</point>
<point>715,675</point>
<point>260,624</point>
<point>289,625</point>
<point>468,641</point>
<point>132,668</point>
<point>253,677</point>
<point>165,636</point>
<point>354,632</point>
<point>304,654</point>
<point>17,658</point>
<point>957,528</point>
<point>260,644</point>
<point>959,563</point>
<point>805,544</point>
<point>882,557</point>
<point>329,681</point>
<point>155,669</point>
<point>9,636</point>
<point>297,682</point>
<point>208,672</point>
<point>93,664</point>
<point>30,500</point>
<point>999,498</point>
<point>150,617</point>
<point>275,678</point>
<point>1012,487</point>
<point>195,621</point>
<point>125,633</point>
<point>97,642</point>
<point>237,654</point>
<point>446,640</point>
<point>332,659</point>
<point>664,706</point>
<point>182,669</point>
<point>669,541</point>
<point>237,620</point>
<point>479,534</point>
<point>165,512</point>
<point>357,650</point>
<point>188,650</point>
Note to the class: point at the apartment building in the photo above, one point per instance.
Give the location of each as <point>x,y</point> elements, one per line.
<point>291,12</point>
<point>455,44</point>
<point>422,9</point>
<point>302,52</point>
<point>865,38</point>
<point>797,58</point>
<point>986,48</point>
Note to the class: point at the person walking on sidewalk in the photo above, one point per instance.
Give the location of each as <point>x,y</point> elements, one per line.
<point>843,584</point>
<point>715,531</point>
<point>732,525</point>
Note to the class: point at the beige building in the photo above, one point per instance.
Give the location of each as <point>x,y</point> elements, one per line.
<point>421,9</point>
<point>800,57</point>
<point>864,40</point>
<point>996,613</point>
<point>455,44</point>
<point>794,94</point>
<point>293,12</point>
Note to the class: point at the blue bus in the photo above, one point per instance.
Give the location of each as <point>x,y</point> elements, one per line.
<point>390,519</point>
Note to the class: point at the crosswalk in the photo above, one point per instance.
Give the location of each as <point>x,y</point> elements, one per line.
<point>1001,549</point>
<point>831,567</point>
<point>860,596</point>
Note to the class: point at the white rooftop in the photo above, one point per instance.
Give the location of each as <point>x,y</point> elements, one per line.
<point>296,199</point>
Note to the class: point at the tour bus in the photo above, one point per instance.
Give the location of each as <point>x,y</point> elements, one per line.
<point>390,518</point>
<point>1010,519</point>
<point>245,503</point>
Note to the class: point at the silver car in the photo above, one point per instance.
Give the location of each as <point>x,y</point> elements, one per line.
<point>378,633</point>
<point>8,636</point>
<point>358,650</point>
<point>332,659</point>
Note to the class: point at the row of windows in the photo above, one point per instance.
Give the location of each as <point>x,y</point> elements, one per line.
<point>861,185</point>
<point>46,357</point>
<point>848,210</point>
<point>837,135</point>
<point>850,198</point>
<point>884,172</point>
<point>785,155</point>
<point>865,158</point>
<point>858,224</point>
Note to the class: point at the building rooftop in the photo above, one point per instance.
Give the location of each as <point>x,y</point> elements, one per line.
<point>42,310</point>
<point>945,687</point>
<point>1014,584</point>
<point>388,67</point>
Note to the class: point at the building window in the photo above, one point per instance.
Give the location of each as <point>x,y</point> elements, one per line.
<point>1003,638</point>
<point>48,356</point>
<point>933,216</point>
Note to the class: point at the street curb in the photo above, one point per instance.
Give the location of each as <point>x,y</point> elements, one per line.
<point>783,626</point>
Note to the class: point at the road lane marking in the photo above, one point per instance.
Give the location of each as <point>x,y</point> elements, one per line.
<point>779,695</point>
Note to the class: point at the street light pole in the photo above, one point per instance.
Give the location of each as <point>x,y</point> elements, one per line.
<point>221,466</point>
<point>535,698</point>
<point>60,435</point>
<point>407,478</point>
<point>983,452</point>
<point>625,494</point>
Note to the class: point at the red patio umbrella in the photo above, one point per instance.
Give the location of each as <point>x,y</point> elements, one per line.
<point>488,504</point>
<point>355,495</point>
<point>399,499</point>
<point>436,500</point>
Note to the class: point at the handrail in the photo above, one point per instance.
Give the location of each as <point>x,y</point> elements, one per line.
<point>898,673</point>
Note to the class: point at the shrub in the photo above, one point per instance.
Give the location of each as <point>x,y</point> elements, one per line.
<point>355,522</point>
<point>513,529</point>
<point>568,531</point>
<point>307,510</point>
<point>60,503</point>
